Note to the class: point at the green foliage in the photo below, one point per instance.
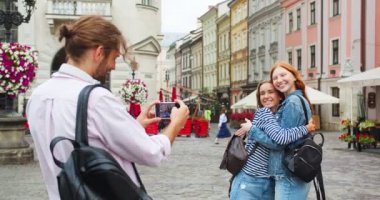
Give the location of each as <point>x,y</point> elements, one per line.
<point>366,124</point>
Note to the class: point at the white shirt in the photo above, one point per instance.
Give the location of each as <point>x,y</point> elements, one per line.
<point>51,112</point>
<point>222,119</point>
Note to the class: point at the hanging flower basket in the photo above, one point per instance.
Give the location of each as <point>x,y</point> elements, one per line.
<point>18,65</point>
<point>134,91</point>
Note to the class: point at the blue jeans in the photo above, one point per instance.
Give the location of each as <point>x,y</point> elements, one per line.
<point>247,187</point>
<point>291,188</point>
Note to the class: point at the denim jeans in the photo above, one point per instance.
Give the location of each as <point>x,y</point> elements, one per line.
<point>247,187</point>
<point>291,188</point>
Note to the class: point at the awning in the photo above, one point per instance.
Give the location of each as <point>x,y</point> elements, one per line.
<point>315,96</point>
<point>368,78</point>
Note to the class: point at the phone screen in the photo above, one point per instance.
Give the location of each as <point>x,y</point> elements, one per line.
<point>164,109</point>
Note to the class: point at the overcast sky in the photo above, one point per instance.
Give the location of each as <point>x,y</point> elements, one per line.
<point>181,15</point>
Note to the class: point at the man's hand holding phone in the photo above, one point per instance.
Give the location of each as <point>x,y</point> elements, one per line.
<point>178,119</point>
<point>146,117</point>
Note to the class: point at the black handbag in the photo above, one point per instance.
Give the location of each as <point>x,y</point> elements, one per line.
<point>90,172</point>
<point>305,160</point>
<point>235,156</point>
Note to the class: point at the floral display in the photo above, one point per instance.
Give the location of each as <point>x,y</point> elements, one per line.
<point>364,138</point>
<point>345,137</point>
<point>344,124</point>
<point>18,65</point>
<point>366,124</point>
<point>134,91</point>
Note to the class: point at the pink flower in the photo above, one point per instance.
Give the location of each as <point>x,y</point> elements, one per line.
<point>18,64</point>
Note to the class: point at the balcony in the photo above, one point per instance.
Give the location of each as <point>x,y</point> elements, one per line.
<point>60,11</point>
<point>253,54</point>
<point>261,50</point>
<point>273,47</point>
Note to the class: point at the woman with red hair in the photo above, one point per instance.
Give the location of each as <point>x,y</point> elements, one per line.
<point>287,80</point>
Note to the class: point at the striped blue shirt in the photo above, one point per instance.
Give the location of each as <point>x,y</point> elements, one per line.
<point>257,164</point>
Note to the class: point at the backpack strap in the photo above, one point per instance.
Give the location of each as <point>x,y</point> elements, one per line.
<point>81,119</point>
<point>318,180</point>
<point>54,142</point>
<point>304,109</point>
<point>319,186</point>
<point>138,177</point>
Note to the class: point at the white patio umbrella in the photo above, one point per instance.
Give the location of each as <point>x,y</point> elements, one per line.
<point>315,96</point>
<point>246,102</point>
<point>368,78</point>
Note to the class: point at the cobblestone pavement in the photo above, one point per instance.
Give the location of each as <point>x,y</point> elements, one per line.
<point>192,173</point>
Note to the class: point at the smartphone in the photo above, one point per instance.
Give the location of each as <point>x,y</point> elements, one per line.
<point>164,109</point>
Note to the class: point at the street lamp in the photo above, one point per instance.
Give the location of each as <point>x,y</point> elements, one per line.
<point>10,18</point>
<point>134,66</point>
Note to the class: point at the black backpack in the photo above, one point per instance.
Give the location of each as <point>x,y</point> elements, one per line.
<point>90,172</point>
<point>305,160</point>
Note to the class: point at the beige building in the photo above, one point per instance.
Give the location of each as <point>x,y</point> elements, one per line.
<point>196,60</point>
<point>239,48</point>
<point>209,49</point>
<point>223,57</point>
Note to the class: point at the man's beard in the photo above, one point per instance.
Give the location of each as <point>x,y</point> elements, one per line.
<point>99,75</point>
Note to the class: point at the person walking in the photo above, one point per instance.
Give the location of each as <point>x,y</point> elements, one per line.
<point>92,45</point>
<point>223,132</point>
<point>207,115</point>
<point>253,181</point>
<point>287,80</point>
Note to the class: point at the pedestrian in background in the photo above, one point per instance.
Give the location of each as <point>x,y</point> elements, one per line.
<point>207,115</point>
<point>223,132</point>
<point>92,45</point>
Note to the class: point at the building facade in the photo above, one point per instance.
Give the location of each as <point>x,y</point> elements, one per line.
<point>142,38</point>
<point>239,48</point>
<point>266,40</point>
<point>209,49</point>
<point>223,58</point>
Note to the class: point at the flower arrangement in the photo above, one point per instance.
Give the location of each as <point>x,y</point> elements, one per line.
<point>366,124</point>
<point>345,123</point>
<point>365,138</point>
<point>242,116</point>
<point>18,65</point>
<point>345,137</point>
<point>134,91</point>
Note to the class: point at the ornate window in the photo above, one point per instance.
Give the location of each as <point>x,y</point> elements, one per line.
<point>335,107</point>
<point>335,52</point>
<point>335,8</point>
<point>290,22</point>
<point>312,13</point>
<point>299,59</point>
<point>290,57</point>
<point>312,56</point>
<point>298,18</point>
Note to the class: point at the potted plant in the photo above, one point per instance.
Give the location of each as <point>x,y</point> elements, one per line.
<point>345,124</point>
<point>18,65</point>
<point>134,93</point>
<point>365,141</point>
